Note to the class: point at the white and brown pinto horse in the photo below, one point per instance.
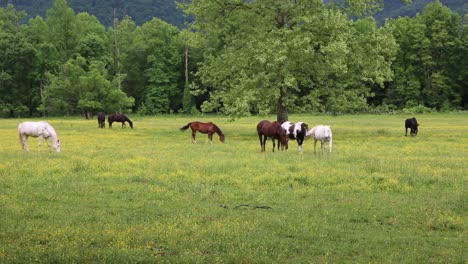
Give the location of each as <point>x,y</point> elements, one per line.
<point>40,129</point>
<point>296,131</point>
<point>322,133</point>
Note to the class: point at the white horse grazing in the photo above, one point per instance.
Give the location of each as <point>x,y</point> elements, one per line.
<point>40,129</point>
<point>322,133</point>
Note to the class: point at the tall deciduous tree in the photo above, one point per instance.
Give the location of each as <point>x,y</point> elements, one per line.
<point>428,61</point>
<point>92,43</point>
<point>16,65</point>
<point>84,88</point>
<point>263,53</point>
<point>164,71</point>
<point>463,64</point>
<point>62,30</point>
<point>151,57</point>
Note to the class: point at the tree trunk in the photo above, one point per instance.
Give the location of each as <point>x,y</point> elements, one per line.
<point>41,89</point>
<point>282,111</point>
<point>186,51</point>
<point>116,51</point>
<point>88,114</point>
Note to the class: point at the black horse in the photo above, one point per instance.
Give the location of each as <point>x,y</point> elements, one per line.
<point>412,124</point>
<point>119,118</point>
<point>101,119</point>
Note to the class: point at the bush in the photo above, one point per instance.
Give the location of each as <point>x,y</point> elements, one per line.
<point>383,109</point>
<point>419,109</point>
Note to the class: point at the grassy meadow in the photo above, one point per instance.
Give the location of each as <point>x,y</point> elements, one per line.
<point>147,195</point>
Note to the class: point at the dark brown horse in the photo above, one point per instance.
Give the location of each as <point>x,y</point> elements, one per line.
<point>101,119</point>
<point>205,128</point>
<point>119,118</point>
<point>273,130</point>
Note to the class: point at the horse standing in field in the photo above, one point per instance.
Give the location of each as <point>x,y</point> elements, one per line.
<point>205,128</point>
<point>273,130</point>
<point>322,133</point>
<point>40,129</point>
<point>412,124</point>
<point>119,118</point>
<point>296,131</point>
<point>101,118</point>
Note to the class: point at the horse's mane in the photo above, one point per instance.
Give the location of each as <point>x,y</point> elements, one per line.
<point>127,119</point>
<point>50,129</point>
<point>217,130</point>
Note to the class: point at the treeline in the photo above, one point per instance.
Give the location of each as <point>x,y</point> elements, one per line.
<point>105,11</point>
<point>395,9</point>
<point>297,57</point>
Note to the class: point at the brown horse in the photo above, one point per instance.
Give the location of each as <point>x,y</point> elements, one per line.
<point>205,128</point>
<point>273,130</point>
<point>119,118</point>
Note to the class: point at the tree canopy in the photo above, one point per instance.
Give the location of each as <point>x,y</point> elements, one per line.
<point>291,53</point>
<point>237,58</point>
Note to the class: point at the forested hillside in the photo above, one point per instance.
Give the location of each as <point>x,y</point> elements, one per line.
<point>303,56</point>
<point>395,8</point>
<point>166,10</point>
<point>141,11</point>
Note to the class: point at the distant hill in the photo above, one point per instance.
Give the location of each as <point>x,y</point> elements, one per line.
<point>141,11</point>
<point>395,8</point>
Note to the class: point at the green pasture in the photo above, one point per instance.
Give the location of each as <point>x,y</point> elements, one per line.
<point>147,195</point>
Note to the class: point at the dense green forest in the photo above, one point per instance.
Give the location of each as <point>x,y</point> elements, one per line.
<point>140,11</point>
<point>292,56</point>
<point>395,9</point>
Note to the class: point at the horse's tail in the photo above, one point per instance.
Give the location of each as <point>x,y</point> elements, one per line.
<point>185,127</point>
<point>20,137</point>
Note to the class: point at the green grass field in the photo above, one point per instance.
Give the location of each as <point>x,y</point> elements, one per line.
<point>147,195</point>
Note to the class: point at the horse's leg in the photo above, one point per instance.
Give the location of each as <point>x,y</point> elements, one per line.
<point>323,146</point>
<point>273,139</point>
<point>315,145</point>
<point>24,141</point>
<point>299,144</point>
<point>264,140</point>
<point>47,140</point>
<point>193,137</point>
<point>39,143</point>
<point>260,138</point>
<point>210,138</point>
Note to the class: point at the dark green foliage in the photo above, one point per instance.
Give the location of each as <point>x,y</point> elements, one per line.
<point>429,66</point>
<point>17,59</point>
<point>141,11</point>
<point>395,9</point>
<point>292,56</point>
